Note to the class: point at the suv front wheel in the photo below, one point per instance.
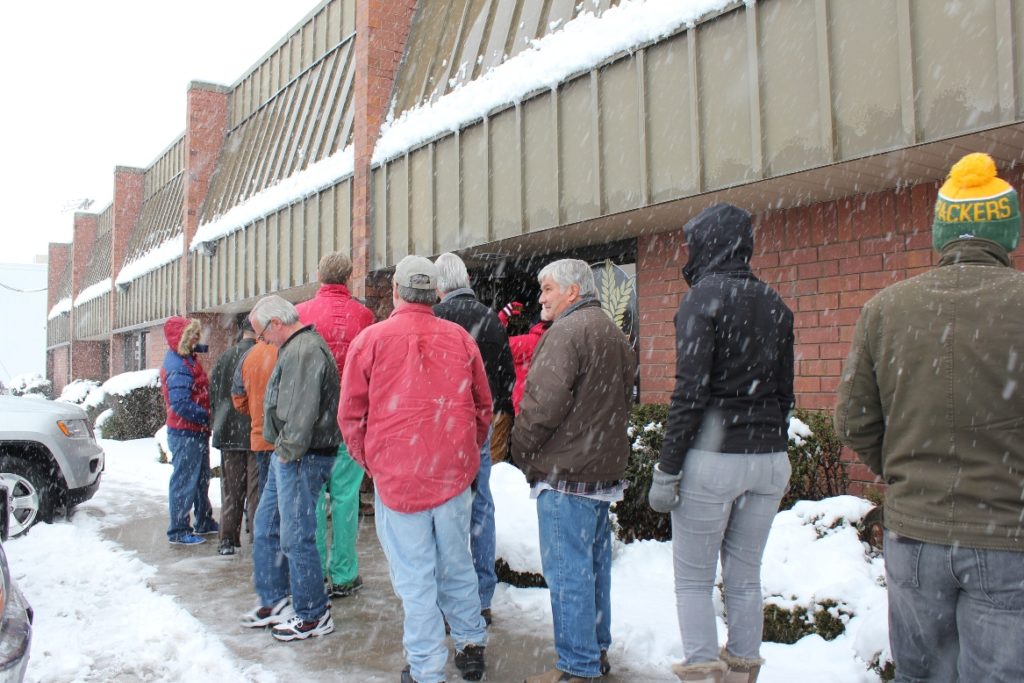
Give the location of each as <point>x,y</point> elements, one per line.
<point>32,494</point>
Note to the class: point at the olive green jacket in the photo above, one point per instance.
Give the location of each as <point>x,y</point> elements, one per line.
<point>932,399</point>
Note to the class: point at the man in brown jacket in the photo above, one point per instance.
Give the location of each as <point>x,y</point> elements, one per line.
<point>932,400</point>
<point>570,439</point>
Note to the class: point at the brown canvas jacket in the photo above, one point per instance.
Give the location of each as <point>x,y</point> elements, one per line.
<point>932,399</point>
<point>575,410</point>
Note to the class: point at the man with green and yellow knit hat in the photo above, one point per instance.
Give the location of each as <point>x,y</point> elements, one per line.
<point>932,400</point>
<point>976,203</point>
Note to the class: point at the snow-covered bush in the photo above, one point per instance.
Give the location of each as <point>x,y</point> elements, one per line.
<point>634,518</point>
<point>137,405</point>
<point>815,456</point>
<point>30,384</point>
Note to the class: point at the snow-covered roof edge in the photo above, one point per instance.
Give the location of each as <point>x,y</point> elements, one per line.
<point>62,306</point>
<point>167,252</point>
<point>93,291</point>
<point>580,45</point>
<point>305,183</point>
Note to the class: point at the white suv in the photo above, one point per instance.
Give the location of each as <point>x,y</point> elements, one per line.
<point>49,459</point>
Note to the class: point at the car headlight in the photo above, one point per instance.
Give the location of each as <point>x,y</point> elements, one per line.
<point>74,429</point>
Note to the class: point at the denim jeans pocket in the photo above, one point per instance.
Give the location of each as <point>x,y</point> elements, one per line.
<point>902,560</point>
<point>1001,574</point>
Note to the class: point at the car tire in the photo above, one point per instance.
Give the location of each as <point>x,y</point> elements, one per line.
<point>32,493</point>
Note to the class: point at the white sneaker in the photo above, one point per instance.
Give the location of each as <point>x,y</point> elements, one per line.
<point>279,613</point>
<point>297,629</point>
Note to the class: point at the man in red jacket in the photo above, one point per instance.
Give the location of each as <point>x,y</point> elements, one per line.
<point>415,411</point>
<point>338,318</point>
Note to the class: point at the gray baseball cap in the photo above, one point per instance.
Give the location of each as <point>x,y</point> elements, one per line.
<point>416,265</point>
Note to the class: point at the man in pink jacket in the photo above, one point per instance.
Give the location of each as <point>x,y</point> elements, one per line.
<point>415,411</point>
<point>338,318</point>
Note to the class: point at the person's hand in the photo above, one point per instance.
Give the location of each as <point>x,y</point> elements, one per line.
<point>512,309</point>
<point>664,493</point>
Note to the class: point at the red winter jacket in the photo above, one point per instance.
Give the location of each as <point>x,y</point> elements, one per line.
<point>337,317</point>
<point>183,381</point>
<point>523,346</point>
<point>415,408</point>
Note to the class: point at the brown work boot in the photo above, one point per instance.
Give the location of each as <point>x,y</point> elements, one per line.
<point>556,676</point>
<point>704,672</point>
<point>740,670</point>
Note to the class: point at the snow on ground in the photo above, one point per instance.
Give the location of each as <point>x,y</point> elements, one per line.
<point>807,560</point>
<point>97,618</point>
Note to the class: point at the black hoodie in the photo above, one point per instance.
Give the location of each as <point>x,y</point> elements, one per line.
<point>734,348</point>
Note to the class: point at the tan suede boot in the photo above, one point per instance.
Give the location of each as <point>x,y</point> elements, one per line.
<point>741,670</point>
<point>704,672</point>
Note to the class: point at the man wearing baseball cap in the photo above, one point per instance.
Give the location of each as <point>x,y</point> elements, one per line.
<point>415,412</point>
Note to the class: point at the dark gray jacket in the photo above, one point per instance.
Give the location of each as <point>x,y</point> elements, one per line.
<point>230,427</point>
<point>301,403</point>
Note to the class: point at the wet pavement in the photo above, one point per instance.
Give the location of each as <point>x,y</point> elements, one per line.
<point>367,642</point>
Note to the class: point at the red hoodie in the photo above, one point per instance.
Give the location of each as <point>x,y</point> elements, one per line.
<point>523,346</point>
<point>183,382</point>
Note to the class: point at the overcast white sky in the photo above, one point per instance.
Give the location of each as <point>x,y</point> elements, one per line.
<point>94,84</point>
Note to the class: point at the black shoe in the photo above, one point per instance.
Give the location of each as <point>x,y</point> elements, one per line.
<point>226,547</point>
<point>470,662</point>
<point>606,666</point>
<point>486,614</point>
<point>407,676</point>
<point>343,590</point>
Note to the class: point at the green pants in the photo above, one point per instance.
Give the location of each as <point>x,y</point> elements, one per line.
<point>340,563</point>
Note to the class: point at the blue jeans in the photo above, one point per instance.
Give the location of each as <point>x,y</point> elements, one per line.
<point>482,535</point>
<point>954,612</point>
<point>190,481</point>
<point>728,504</point>
<point>576,556</point>
<point>284,556</point>
<point>432,573</point>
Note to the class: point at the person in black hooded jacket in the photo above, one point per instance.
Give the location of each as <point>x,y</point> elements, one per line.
<point>723,467</point>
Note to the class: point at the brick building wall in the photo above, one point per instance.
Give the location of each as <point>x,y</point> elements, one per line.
<point>826,260</point>
<point>382,28</point>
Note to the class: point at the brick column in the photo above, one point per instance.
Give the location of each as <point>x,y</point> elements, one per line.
<point>86,356</point>
<point>128,196</point>
<point>382,28</point>
<point>205,130</point>
<point>58,254</point>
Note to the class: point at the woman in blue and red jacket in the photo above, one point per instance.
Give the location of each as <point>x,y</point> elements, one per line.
<point>187,398</point>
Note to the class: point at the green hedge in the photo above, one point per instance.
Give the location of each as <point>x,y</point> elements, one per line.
<point>818,471</point>
<point>634,518</point>
<point>136,415</point>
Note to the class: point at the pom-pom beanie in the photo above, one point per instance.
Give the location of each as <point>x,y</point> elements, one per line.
<point>975,202</point>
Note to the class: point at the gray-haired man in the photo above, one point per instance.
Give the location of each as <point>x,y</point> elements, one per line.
<point>570,439</point>
<point>300,419</point>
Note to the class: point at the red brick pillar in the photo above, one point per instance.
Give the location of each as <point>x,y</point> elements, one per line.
<point>128,196</point>
<point>58,255</point>
<point>86,356</point>
<point>382,28</point>
<point>205,130</point>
